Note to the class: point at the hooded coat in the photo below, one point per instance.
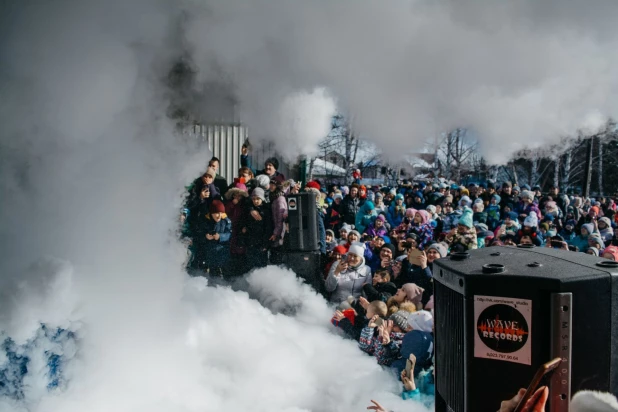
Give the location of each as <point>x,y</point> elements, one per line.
<point>365,217</point>
<point>348,283</point>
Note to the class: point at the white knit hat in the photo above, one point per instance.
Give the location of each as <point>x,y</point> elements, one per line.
<point>421,320</point>
<point>263,181</point>
<point>531,220</point>
<point>589,401</point>
<point>357,248</point>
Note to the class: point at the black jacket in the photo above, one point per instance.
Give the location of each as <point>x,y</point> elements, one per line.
<point>381,291</point>
<point>414,274</point>
<point>349,208</point>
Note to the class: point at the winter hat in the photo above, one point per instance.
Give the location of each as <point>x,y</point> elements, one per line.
<point>357,249</point>
<point>369,206</point>
<point>330,232</point>
<point>379,195</point>
<point>339,249</point>
<point>511,215</point>
<point>516,189</point>
<point>424,216</point>
<point>354,232</point>
<point>263,181</point>
<point>590,401</point>
<point>390,247</point>
<point>431,209</point>
<point>531,220</point>
<point>464,192</point>
<point>595,209</point>
<point>371,196</point>
<point>595,251</point>
<point>482,227</point>
<point>544,225</point>
<point>589,228</point>
<point>210,172</point>
<point>381,217</point>
<point>400,318</point>
<point>399,196</point>
<point>238,189</point>
<point>613,251</point>
<point>346,227</point>
<point>466,218</point>
<point>454,187</point>
<point>258,192</point>
<point>216,207</point>
<point>596,238</point>
<point>465,201</point>
<point>438,247</point>
<point>527,194</point>
<point>337,196</point>
<point>414,293</point>
<point>498,198</point>
<point>410,212</point>
<point>606,220</point>
<point>313,184</point>
<point>273,161</point>
<point>525,187</point>
<point>421,320</point>
<point>345,190</point>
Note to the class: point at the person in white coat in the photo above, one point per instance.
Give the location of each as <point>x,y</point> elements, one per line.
<point>347,277</point>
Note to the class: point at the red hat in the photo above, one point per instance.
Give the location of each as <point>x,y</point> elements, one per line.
<point>313,184</point>
<point>216,207</point>
<point>339,249</point>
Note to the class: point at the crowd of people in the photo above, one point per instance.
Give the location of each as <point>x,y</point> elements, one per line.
<point>378,245</point>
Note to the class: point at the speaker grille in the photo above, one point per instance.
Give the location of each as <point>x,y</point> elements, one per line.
<point>450,356</point>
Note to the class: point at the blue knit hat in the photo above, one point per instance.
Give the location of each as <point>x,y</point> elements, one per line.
<point>466,218</point>
<point>498,198</point>
<point>399,197</point>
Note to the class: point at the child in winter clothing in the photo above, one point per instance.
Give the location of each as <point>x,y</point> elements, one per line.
<point>331,242</point>
<point>353,325</point>
<point>381,288</point>
<point>365,216</point>
<point>464,236</point>
<point>493,212</point>
<point>418,341</point>
<point>605,229</point>
<point>214,234</point>
<point>422,228</point>
<point>396,211</point>
<point>257,228</point>
<point>384,342</point>
<point>377,228</point>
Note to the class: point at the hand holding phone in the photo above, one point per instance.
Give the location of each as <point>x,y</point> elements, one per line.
<point>534,400</point>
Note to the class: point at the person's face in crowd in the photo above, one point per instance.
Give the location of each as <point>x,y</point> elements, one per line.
<point>507,190</point>
<point>329,238</point>
<point>438,209</point>
<point>256,201</point>
<point>362,192</point>
<point>590,252</point>
<point>236,198</point>
<point>462,229</point>
<point>432,255</point>
<point>400,296</point>
<point>207,179</point>
<point>399,202</point>
<point>396,267</point>
<point>507,209</point>
<point>378,223</point>
<point>353,192</point>
<point>337,200</point>
<point>331,195</point>
<point>216,217</point>
<point>509,242</point>
<point>269,169</point>
<point>246,175</point>
<point>526,200</point>
<point>448,208</point>
<point>378,279</point>
<point>354,259</point>
<point>418,218</point>
<point>394,234</point>
<point>442,190</point>
<point>472,190</point>
<point>417,199</point>
<point>214,165</point>
<point>525,240</point>
<point>412,242</point>
<point>508,222</point>
<point>386,254</point>
<point>584,232</point>
<point>343,234</point>
<point>272,187</point>
<point>537,193</point>
<point>353,238</point>
<point>554,191</point>
<point>608,255</point>
<point>602,224</point>
<point>592,214</point>
<point>378,242</point>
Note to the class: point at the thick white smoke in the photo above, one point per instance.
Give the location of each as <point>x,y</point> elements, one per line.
<point>92,177</point>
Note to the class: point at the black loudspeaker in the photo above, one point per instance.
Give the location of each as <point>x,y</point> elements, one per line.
<point>303,222</point>
<point>306,265</point>
<point>502,312</point>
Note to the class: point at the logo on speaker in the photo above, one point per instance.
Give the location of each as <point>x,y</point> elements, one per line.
<point>292,203</point>
<point>503,329</point>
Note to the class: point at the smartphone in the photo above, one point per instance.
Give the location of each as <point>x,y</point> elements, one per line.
<point>344,258</point>
<point>410,366</point>
<point>415,254</point>
<point>544,371</point>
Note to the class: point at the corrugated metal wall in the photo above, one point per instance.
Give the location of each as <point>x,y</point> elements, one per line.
<point>225,142</point>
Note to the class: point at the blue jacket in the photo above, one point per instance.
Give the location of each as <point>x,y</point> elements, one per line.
<point>216,252</point>
<point>365,216</point>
